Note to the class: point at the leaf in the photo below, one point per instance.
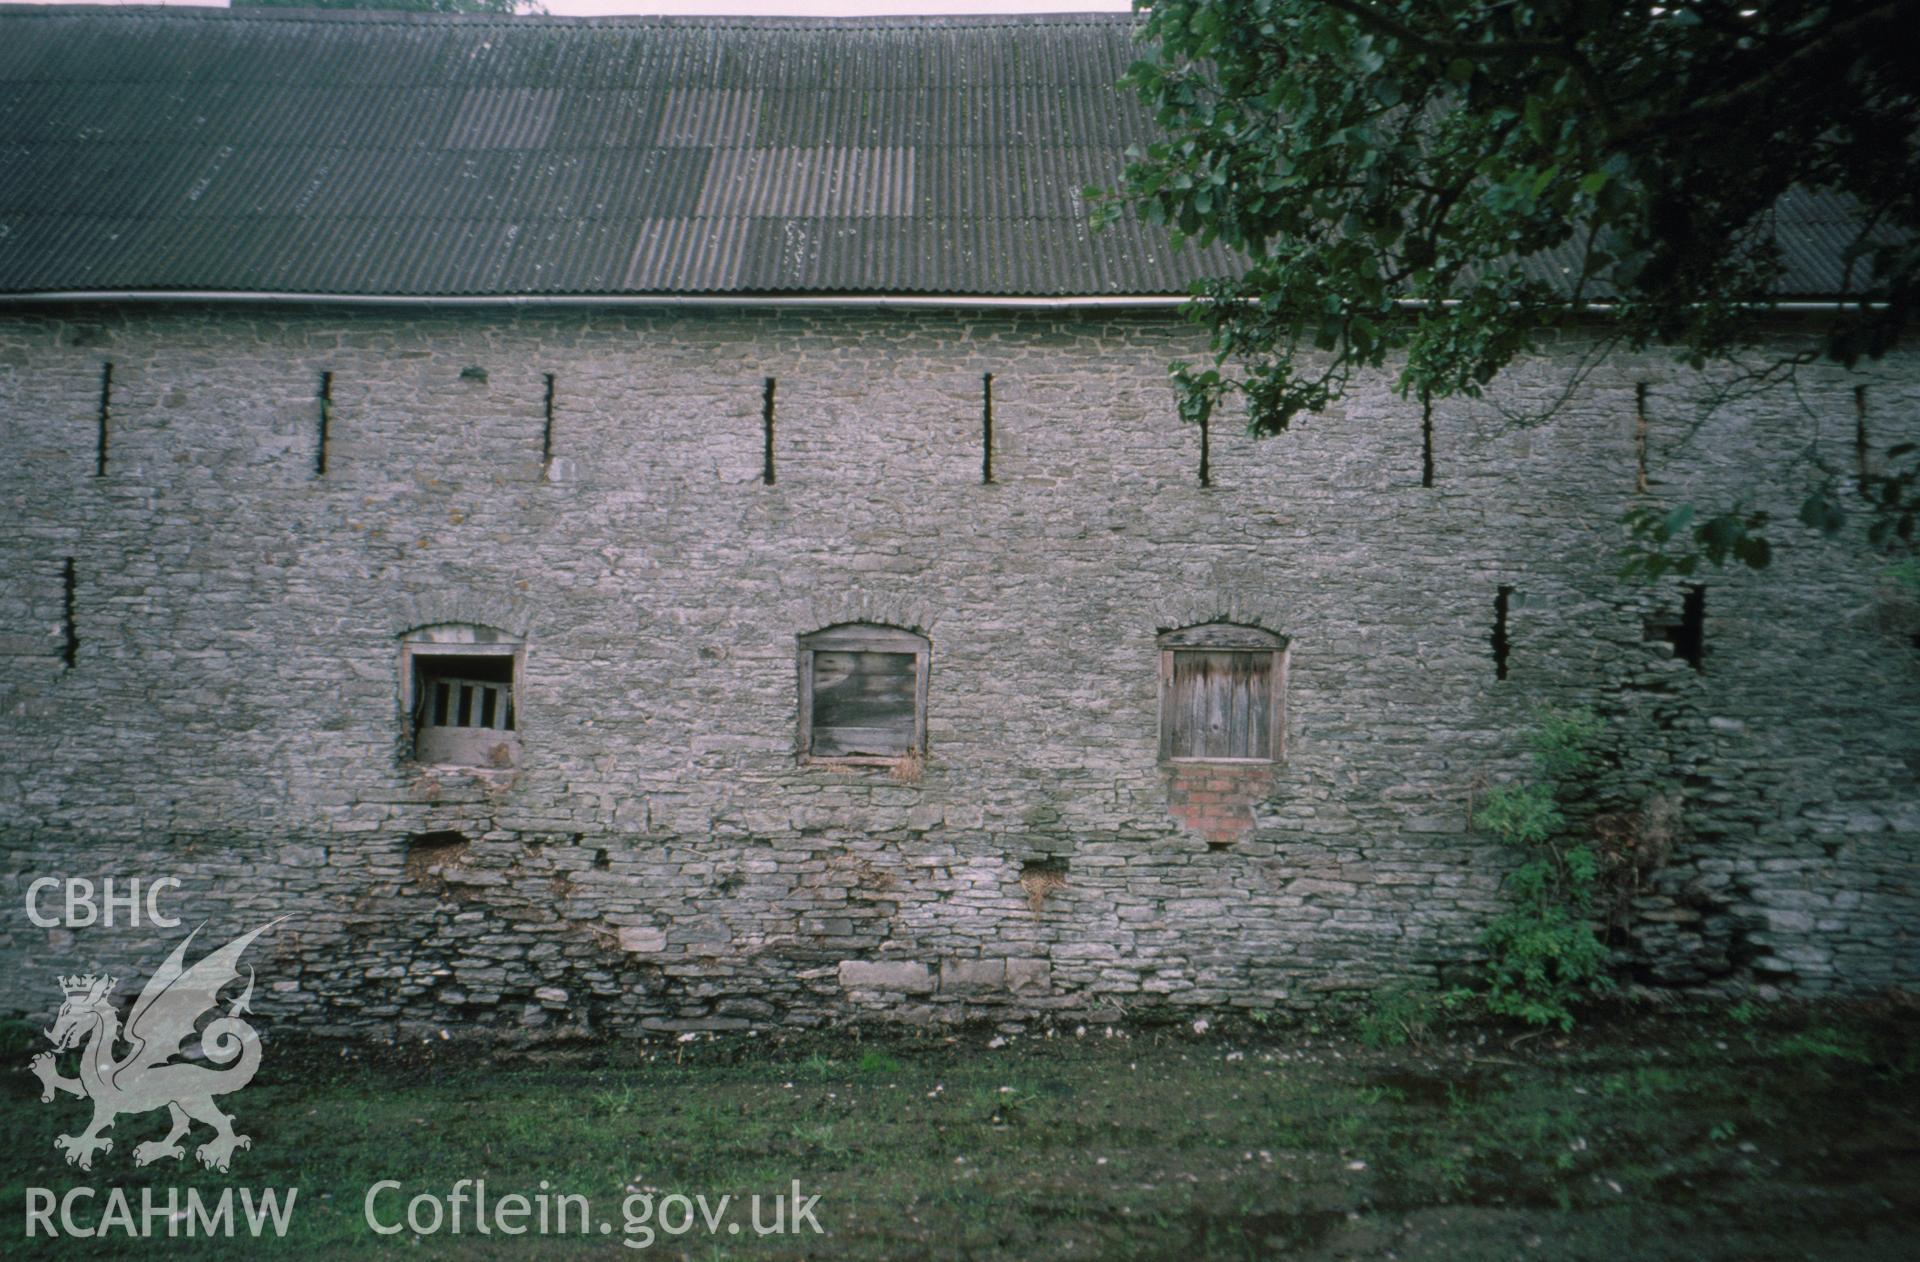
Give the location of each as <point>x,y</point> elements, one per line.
<point>1719,534</point>
<point>1754,552</point>
<point>1534,114</point>
<point>1822,513</point>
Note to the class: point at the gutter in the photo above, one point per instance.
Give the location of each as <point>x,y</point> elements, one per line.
<point>883,302</point>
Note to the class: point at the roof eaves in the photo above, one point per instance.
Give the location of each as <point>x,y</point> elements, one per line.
<point>686,299</point>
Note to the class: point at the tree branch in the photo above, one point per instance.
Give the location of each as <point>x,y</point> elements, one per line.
<point>1385,24</point>
<point>1832,53</point>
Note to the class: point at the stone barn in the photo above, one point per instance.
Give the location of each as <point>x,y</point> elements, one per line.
<point>666,525</point>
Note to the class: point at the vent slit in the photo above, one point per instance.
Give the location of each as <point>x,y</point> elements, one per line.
<point>546,430</point>
<point>1426,439</point>
<point>1206,462</point>
<point>106,418</point>
<point>1502,645</point>
<point>766,418</point>
<point>986,428</point>
<point>1640,437</point>
<point>70,652</point>
<point>325,436</point>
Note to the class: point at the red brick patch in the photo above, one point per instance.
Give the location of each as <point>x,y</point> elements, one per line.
<point>1217,800</point>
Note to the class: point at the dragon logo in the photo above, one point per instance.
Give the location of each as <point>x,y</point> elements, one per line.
<point>162,1018</point>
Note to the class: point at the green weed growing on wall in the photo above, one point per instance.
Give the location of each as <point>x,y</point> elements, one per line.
<point>1544,956</point>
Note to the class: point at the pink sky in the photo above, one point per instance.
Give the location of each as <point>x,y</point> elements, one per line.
<point>769,8</point>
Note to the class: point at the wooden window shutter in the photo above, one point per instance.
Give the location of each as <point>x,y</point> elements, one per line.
<point>863,693</point>
<point>1221,693</point>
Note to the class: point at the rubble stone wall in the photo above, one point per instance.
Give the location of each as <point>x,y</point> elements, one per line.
<point>661,859</point>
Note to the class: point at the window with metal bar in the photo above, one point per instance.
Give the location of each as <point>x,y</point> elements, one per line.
<point>460,682</point>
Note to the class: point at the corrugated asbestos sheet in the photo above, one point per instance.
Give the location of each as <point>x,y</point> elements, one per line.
<point>368,153</point>
<point>359,153</point>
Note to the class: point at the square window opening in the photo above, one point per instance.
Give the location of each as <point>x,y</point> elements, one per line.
<point>461,710</point>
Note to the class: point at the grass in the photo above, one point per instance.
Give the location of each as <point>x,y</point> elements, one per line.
<point>1764,1134</point>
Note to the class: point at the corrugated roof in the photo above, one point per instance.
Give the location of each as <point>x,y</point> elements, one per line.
<point>376,153</point>
<point>358,153</point>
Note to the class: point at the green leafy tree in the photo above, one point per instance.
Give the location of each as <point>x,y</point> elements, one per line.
<point>1442,184</point>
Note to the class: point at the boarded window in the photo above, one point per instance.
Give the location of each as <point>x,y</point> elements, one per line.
<point>460,684</point>
<point>1220,695</point>
<point>863,693</point>
<point>1221,705</point>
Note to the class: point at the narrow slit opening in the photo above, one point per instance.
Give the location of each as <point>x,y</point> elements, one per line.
<point>766,419</point>
<point>546,429</point>
<point>1640,437</point>
<point>1426,440</point>
<point>106,419</point>
<point>70,651</point>
<point>1502,645</point>
<point>986,428</point>
<point>325,437</point>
